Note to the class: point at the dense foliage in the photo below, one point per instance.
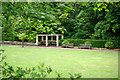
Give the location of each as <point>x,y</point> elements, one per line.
<point>109,45</point>
<point>77,20</point>
<point>94,20</point>
<point>65,42</point>
<point>31,19</point>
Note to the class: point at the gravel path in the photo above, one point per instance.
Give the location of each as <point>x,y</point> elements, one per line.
<point>75,48</point>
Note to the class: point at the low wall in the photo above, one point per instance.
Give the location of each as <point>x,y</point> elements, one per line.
<point>18,43</point>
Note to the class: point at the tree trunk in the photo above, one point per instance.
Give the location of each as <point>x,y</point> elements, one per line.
<point>22,43</point>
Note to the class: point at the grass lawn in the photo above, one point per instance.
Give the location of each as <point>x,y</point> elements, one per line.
<point>91,64</point>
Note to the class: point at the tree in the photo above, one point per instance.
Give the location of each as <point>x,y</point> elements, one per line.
<point>31,18</point>
<point>96,20</point>
<point>22,37</point>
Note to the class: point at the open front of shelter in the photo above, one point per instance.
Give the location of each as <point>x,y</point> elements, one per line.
<point>48,39</point>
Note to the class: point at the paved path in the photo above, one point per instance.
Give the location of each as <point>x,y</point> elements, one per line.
<point>75,48</point>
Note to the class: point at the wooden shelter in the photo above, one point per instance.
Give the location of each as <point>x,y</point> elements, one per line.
<point>46,41</point>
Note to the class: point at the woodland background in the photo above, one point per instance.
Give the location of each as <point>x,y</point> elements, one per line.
<point>76,20</point>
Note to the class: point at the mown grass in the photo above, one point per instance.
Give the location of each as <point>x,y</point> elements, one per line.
<point>91,64</point>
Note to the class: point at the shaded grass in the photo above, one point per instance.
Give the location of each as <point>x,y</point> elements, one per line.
<point>91,64</point>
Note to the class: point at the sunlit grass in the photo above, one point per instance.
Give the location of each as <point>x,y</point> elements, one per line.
<point>91,64</point>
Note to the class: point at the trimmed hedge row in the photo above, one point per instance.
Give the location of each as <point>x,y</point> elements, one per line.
<point>95,43</point>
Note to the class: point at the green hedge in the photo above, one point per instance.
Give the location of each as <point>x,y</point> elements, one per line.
<point>95,43</point>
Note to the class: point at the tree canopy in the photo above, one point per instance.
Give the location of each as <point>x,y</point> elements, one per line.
<point>78,20</point>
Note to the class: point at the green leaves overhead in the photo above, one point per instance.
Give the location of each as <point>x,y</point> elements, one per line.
<point>97,20</point>
<point>28,17</point>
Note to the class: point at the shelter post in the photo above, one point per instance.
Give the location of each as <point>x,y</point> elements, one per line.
<point>46,41</point>
<point>62,36</point>
<point>57,40</point>
<point>51,38</point>
<point>42,38</point>
<point>36,40</point>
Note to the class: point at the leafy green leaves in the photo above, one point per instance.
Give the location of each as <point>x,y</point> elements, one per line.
<point>28,17</point>
<point>75,20</point>
<point>40,71</point>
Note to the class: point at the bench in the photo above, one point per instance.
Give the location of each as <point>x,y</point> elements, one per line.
<point>86,46</point>
<point>52,42</point>
<point>49,42</point>
<point>64,45</point>
<point>70,45</point>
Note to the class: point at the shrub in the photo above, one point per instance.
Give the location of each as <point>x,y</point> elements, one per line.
<point>87,42</point>
<point>109,45</point>
<point>18,72</point>
<point>65,42</point>
<point>95,43</point>
<point>41,71</point>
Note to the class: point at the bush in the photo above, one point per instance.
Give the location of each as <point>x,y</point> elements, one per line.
<point>65,42</point>
<point>95,43</point>
<point>109,45</point>
<point>87,42</point>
